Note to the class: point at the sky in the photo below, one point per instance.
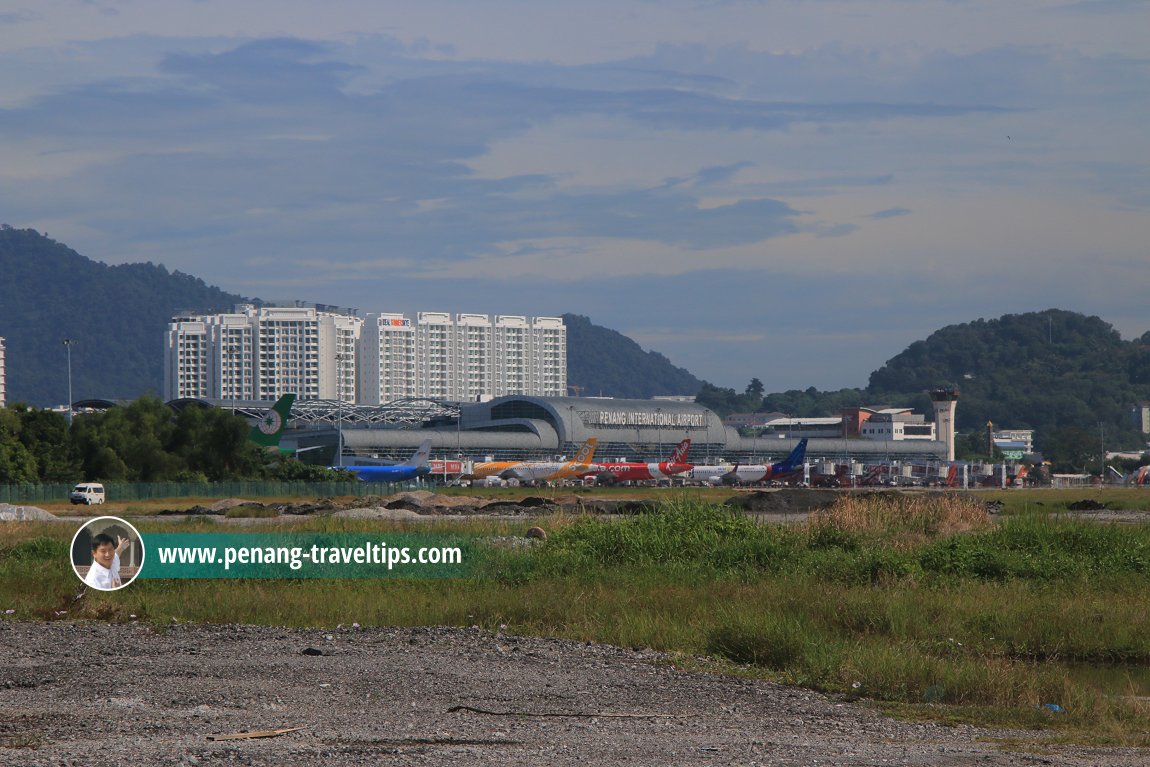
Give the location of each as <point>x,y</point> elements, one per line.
<point>788,190</point>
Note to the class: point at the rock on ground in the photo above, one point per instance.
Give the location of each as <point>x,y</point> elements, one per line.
<point>10,513</point>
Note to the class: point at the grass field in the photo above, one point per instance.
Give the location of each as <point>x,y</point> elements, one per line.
<point>921,602</point>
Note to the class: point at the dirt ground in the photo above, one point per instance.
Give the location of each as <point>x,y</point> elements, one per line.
<point>106,694</point>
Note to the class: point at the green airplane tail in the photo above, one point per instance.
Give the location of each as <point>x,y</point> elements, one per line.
<point>268,431</point>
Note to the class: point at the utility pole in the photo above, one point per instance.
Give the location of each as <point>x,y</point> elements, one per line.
<point>68,345</point>
<point>1102,439</point>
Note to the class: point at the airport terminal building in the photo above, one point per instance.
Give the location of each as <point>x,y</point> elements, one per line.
<point>528,427</point>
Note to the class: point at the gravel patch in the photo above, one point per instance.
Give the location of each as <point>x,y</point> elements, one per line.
<point>92,693</point>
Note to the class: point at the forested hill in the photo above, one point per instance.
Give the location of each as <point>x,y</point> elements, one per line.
<point>117,316</point>
<point>1068,376</point>
<point>1046,370</point>
<point>601,361</point>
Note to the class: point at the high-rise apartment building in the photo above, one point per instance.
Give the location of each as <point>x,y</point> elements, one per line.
<point>3,382</point>
<point>512,345</point>
<point>259,353</point>
<point>548,356</point>
<point>187,366</point>
<point>434,361</point>
<point>467,357</point>
<point>474,357</point>
<point>262,353</point>
<point>386,359</point>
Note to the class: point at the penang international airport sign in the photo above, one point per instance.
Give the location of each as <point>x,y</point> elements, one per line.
<point>660,419</point>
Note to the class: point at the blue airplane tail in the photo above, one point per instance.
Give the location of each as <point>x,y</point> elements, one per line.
<point>794,461</point>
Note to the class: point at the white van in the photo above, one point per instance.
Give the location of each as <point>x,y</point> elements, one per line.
<point>87,493</point>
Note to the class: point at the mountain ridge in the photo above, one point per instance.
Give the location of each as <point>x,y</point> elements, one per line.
<point>1067,375</point>
<point>117,316</point>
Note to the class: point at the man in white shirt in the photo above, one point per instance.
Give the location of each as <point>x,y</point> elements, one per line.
<point>104,574</point>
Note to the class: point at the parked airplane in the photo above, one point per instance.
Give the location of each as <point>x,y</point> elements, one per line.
<point>485,469</point>
<point>270,429</point>
<point>1139,477</point>
<point>609,473</point>
<point>413,468</point>
<point>549,471</point>
<point>751,473</point>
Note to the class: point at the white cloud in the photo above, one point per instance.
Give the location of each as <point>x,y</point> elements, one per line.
<point>887,166</point>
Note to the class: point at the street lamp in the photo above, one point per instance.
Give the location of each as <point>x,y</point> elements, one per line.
<point>1102,432</point>
<point>68,345</point>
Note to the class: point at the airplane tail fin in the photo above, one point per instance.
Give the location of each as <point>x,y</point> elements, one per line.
<point>421,456</point>
<point>269,430</point>
<point>952,475</point>
<point>796,458</point>
<point>586,453</point>
<point>681,451</point>
<point>1019,478</point>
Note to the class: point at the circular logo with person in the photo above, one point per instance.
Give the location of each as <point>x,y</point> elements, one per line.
<point>107,553</point>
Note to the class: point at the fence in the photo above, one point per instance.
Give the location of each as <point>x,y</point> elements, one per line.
<point>142,491</point>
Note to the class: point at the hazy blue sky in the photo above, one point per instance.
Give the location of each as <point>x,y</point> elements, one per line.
<point>792,190</point>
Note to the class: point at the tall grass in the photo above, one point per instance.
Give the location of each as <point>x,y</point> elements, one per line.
<point>918,602</point>
<point>898,518</point>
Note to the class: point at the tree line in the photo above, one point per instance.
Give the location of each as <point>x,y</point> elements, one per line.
<point>143,441</point>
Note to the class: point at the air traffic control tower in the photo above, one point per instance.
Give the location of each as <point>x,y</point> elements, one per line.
<point>945,400</point>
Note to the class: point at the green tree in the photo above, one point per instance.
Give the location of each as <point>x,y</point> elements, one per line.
<point>45,434</point>
<point>17,464</point>
<point>289,469</point>
<point>722,400</point>
<point>1071,449</point>
<point>214,442</point>
<point>128,443</point>
<point>973,446</point>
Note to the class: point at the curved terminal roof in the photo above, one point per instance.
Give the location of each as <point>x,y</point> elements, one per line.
<point>517,427</point>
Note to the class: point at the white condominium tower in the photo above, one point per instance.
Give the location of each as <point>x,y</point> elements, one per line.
<point>3,389</point>
<point>261,353</point>
<point>548,355</point>
<point>387,359</point>
<point>461,357</point>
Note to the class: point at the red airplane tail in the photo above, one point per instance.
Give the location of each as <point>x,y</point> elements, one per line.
<point>681,451</point>
<point>952,475</point>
